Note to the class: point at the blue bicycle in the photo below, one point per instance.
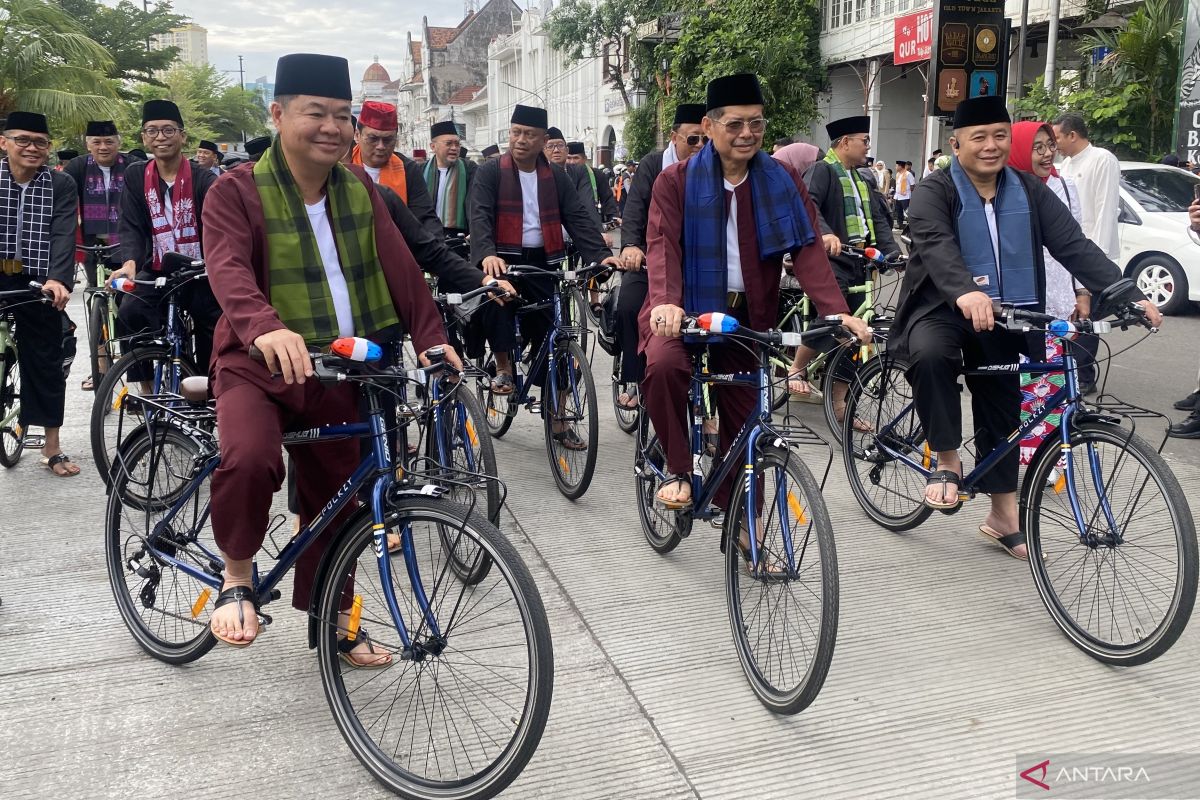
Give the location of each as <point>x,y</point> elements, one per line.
<point>1110,537</point>
<point>781,575</point>
<point>460,707</point>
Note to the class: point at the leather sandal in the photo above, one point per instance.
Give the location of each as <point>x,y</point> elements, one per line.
<point>1008,541</point>
<point>61,458</point>
<point>239,595</point>
<point>345,646</point>
<point>570,440</point>
<point>674,505</point>
<point>944,477</point>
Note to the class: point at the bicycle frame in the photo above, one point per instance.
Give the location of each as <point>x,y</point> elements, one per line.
<point>545,355</point>
<point>1066,400</point>
<point>375,471</point>
<point>803,308</point>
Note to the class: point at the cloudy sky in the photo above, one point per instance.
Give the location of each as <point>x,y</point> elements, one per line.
<point>263,30</point>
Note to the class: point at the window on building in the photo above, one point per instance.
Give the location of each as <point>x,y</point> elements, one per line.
<point>889,7</point>
<point>874,9</point>
<point>904,4</point>
<point>860,10</point>
<point>847,12</point>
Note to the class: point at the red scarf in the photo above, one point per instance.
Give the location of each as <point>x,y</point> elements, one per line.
<point>180,234</point>
<point>1021,156</point>
<point>510,210</point>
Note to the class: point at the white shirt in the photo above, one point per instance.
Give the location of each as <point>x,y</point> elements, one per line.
<point>374,172</point>
<point>733,252</point>
<point>107,173</point>
<point>170,209</point>
<point>908,179</point>
<point>989,211</point>
<point>531,215</point>
<point>318,219</point>
<point>670,156</point>
<point>1060,288</point>
<point>441,198</point>
<point>1097,174</point>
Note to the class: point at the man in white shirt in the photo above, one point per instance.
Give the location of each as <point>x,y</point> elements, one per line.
<point>1098,175</point>
<point>1190,427</point>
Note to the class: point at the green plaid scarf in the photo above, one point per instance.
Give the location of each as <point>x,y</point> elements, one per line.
<point>299,287</point>
<point>853,184</point>
<point>453,209</point>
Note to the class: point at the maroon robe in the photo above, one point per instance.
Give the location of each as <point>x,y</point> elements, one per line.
<point>254,408</point>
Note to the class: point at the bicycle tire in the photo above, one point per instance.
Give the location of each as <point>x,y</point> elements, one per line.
<point>571,477</point>
<point>1041,492</point>
<point>12,435</point>
<point>97,335</point>
<point>526,667</point>
<point>110,396</point>
<point>780,688</point>
<point>832,365</point>
<point>878,395</point>
<point>498,410</point>
<point>181,634</point>
<point>627,419</point>
<point>664,529</point>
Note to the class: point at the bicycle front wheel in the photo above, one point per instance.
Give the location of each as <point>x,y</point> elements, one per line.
<point>572,429</point>
<point>457,713</point>
<point>783,607</point>
<point>1122,590</point>
<point>146,370</point>
<point>12,435</point>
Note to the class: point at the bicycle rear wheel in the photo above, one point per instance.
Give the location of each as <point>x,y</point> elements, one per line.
<point>97,336</point>
<point>784,622</point>
<point>498,411</point>
<point>890,491</point>
<point>577,316</point>
<point>459,712</point>
<point>1125,598</point>
<point>165,608</point>
<point>12,435</point>
<point>576,416</point>
<point>146,370</point>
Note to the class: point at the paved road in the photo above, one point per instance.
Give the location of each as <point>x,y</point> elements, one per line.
<point>947,667</point>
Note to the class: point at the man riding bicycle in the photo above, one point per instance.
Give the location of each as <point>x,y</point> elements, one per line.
<point>719,226</point>
<point>978,229</point>
<point>301,250</point>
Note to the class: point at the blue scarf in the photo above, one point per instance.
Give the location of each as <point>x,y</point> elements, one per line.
<point>1009,276</point>
<point>780,221</point>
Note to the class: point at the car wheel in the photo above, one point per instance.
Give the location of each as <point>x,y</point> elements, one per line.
<point>1162,280</point>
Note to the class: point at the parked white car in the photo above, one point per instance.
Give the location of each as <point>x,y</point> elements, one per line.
<point>1156,249</point>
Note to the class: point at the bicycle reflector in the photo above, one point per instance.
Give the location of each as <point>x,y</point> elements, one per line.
<point>356,348</point>
<point>122,285</point>
<point>716,322</point>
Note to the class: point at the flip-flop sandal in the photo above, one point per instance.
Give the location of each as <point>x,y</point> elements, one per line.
<point>239,595</point>
<point>62,458</point>
<point>1008,541</point>
<point>813,395</point>
<point>570,440</point>
<point>503,384</point>
<point>674,505</point>
<point>944,477</point>
<point>86,385</point>
<point>631,402</point>
<point>345,646</point>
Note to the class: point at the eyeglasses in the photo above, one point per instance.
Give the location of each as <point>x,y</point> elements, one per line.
<point>556,147</point>
<point>1049,147</point>
<point>25,141</point>
<point>375,141</point>
<point>864,139</point>
<point>736,126</point>
<point>697,138</point>
<point>166,132</point>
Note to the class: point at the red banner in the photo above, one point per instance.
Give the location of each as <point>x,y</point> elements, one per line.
<point>914,37</point>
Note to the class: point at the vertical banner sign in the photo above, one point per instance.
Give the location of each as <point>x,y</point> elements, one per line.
<point>913,39</point>
<point>1187,127</point>
<point>971,54</point>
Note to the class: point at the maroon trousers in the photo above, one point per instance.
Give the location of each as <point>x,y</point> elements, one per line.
<point>253,411</point>
<point>665,394</point>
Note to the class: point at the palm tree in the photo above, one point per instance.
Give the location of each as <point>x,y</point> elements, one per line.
<point>1145,54</point>
<point>49,65</point>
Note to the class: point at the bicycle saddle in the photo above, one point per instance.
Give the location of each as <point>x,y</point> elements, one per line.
<point>194,389</point>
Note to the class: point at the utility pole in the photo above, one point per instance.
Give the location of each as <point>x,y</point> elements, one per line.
<point>1021,49</point>
<point>242,72</point>
<point>1051,79</point>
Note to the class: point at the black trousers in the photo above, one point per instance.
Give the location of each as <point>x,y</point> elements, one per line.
<point>39,332</point>
<point>535,324</point>
<point>634,287</point>
<point>937,346</point>
<point>901,207</point>
<point>492,322</point>
<point>145,311</point>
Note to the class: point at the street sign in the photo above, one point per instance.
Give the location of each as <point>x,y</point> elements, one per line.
<point>970,57</point>
<point>1187,126</point>
<point>913,41</point>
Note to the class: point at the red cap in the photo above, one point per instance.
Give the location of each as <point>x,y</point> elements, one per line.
<point>380,116</point>
<point>419,154</point>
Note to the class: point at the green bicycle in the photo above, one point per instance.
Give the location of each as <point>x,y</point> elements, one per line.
<point>101,304</point>
<point>13,437</point>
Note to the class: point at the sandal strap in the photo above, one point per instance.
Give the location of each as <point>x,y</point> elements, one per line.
<point>1011,540</point>
<point>944,476</point>
<point>237,594</point>
<point>55,460</point>
<point>346,644</point>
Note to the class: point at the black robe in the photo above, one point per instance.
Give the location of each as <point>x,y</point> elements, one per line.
<point>826,191</point>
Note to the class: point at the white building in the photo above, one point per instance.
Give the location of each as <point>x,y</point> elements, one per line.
<point>192,41</point>
<point>522,68</point>
<point>857,43</point>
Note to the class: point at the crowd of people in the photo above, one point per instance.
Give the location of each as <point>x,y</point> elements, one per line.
<point>326,231</point>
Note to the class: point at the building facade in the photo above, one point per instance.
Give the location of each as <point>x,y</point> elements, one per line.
<point>192,41</point>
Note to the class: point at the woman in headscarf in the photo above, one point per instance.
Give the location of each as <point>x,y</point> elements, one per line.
<point>1033,151</point>
<point>800,156</point>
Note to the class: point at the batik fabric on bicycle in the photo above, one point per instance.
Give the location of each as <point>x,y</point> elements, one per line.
<point>172,217</point>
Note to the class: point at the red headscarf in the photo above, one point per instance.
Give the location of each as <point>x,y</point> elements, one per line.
<point>1021,155</point>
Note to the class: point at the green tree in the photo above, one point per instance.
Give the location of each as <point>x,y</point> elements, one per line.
<point>212,107</point>
<point>49,65</point>
<point>123,30</point>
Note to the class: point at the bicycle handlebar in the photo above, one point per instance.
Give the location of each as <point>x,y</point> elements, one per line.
<point>519,270</point>
<point>96,248</point>
<point>172,281</point>
<point>34,292</point>
<point>718,324</point>
<point>1127,314</point>
<point>877,258</point>
<point>356,357</point>
<point>458,298</point>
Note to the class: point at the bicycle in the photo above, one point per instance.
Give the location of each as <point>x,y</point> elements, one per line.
<point>101,305</point>
<point>155,363</point>
<point>1069,498</point>
<point>472,674</point>
<point>790,555</point>
<point>13,437</point>
<point>568,392</point>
